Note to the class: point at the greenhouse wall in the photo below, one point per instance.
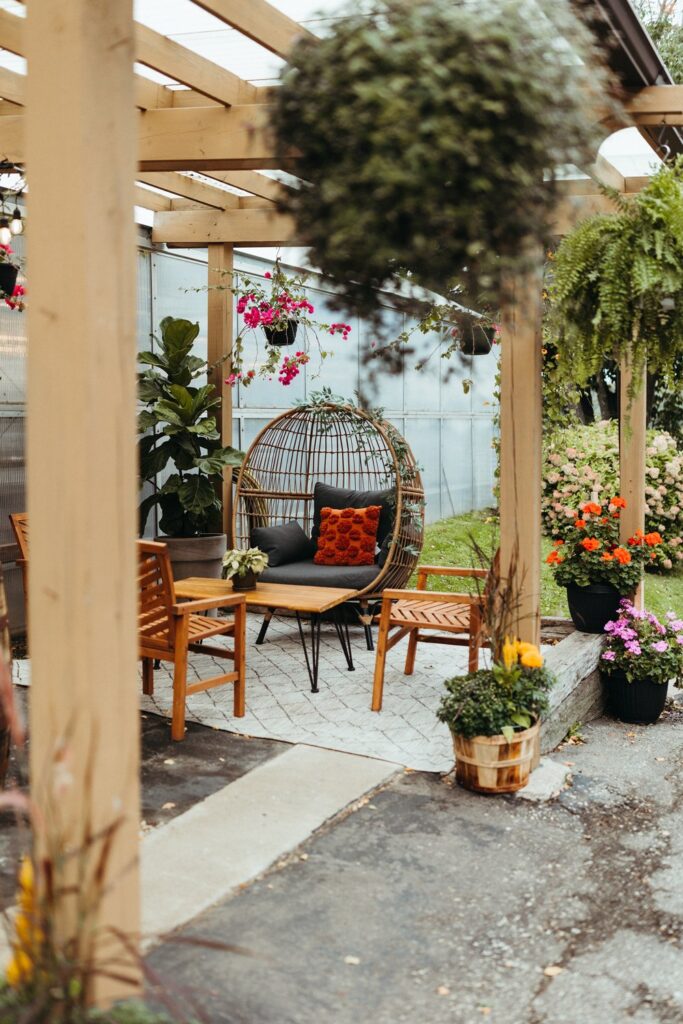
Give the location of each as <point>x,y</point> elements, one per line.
<point>450,428</point>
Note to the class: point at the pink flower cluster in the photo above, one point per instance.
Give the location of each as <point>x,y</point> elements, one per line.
<point>235,378</point>
<point>343,329</point>
<point>657,646</point>
<point>265,314</point>
<point>17,299</point>
<point>290,367</point>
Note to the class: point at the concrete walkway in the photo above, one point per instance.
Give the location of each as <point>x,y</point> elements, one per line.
<point>427,904</point>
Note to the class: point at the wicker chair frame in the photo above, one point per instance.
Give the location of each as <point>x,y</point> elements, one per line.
<point>341,446</point>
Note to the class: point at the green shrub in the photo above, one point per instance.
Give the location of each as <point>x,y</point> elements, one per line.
<point>581,463</point>
<point>485,704</point>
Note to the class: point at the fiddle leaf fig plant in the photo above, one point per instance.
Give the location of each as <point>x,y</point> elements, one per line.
<point>178,426</point>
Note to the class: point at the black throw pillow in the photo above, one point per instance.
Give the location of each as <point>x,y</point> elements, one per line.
<point>283,544</point>
<point>326,496</point>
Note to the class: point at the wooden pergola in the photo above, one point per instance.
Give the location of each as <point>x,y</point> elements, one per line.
<point>93,134</point>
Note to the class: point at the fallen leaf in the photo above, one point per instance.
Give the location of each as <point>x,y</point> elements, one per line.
<point>553,970</point>
<point>485,1010</point>
<point>443,990</point>
<point>169,760</point>
<point>303,856</point>
<point>660,759</point>
<point>353,960</point>
<point>167,807</point>
<point>569,764</point>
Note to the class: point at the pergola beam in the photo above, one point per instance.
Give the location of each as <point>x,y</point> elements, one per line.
<point>258,20</point>
<point>252,181</point>
<point>12,86</point>
<point>188,188</point>
<point>234,227</point>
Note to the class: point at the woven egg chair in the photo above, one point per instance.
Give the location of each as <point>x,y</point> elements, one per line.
<point>342,447</point>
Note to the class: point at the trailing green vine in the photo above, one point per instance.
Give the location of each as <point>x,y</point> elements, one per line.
<point>616,289</point>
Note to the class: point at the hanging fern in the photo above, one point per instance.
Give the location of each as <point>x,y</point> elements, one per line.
<point>617,284</point>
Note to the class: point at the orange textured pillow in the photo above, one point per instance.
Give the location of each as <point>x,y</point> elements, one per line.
<point>348,536</point>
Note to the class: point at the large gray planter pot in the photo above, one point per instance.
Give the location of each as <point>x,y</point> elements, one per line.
<point>196,556</point>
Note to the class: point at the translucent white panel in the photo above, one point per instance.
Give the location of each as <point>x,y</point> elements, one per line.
<point>379,383</point>
<point>171,281</point>
<point>251,426</point>
<point>422,386</point>
<point>483,375</point>
<point>484,462</point>
<point>144,300</point>
<point>456,469</point>
<point>339,371</point>
<point>455,371</point>
<point>423,436</point>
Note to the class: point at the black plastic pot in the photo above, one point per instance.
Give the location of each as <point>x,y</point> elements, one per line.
<point>247,581</point>
<point>593,606</point>
<point>640,701</point>
<point>8,278</point>
<point>477,340</point>
<point>282,338</point>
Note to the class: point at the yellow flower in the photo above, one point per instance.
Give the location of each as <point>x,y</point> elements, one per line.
<point>509,653</point>
<point>532,657</point>
<point>19,969</point>
<point>27,884</point>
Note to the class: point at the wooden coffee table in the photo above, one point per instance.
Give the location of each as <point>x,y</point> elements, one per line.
<point>312,601</point>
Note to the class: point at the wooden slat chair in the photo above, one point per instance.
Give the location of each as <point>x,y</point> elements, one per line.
<point>19,524</point>
<point>169,630</point>
<point>457,619</point>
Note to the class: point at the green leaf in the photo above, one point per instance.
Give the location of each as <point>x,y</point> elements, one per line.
<point>508,732</point>
<point>170,411</point>
<point>146,421</point>
<point>152,359</point>
<point>146,506</point>
<point>155,460</point>
<point>196,494</point>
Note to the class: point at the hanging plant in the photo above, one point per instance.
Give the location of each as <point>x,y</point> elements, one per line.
<point>278,306</point>
<point>424,132</point>
<point>617,284</point>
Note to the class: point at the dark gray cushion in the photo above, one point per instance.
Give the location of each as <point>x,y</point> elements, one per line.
<point>326,496</point>
<point>283,544</point>
<point>308,574</point>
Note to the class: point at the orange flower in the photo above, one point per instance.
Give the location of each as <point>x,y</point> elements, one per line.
<point>637,538</point>
<point>590,543</point>
<point>554,558</point>
<point>652,539</point>
<point>580,524</point>
<point>618,503</point>
<point>591,507</point>
<point>622,556</point>
<point>604,519</point>
<point>558,543</point>
<point>606,557</point>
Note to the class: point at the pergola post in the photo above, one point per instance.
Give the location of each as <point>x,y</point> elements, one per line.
<point>220,338</point>
<point>520,446</point>
<point>632,446</point>
<point>82,486</point>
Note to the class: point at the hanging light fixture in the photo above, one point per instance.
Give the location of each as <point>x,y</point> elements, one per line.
<point>5,233</point>
<point>16,225</point>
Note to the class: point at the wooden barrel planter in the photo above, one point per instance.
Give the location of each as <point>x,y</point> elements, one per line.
<point>489,764</point>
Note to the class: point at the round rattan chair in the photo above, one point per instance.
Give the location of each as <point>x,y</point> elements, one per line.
<point>343,447</point>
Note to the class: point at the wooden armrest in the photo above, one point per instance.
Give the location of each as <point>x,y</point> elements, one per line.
<point>444,596</point>
<point>449,570</point>
<point>207,603</point>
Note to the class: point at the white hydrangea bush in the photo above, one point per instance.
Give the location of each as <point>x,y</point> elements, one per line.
<point>581,463</point>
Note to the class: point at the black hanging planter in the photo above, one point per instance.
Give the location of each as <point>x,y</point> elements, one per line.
<point>593,606</point>
<point>476,340</point>
<point>639,701</point>
<point>8,278</point>
<point>282,338</point>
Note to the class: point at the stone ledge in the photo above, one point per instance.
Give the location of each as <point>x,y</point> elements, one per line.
<point>577,696</point>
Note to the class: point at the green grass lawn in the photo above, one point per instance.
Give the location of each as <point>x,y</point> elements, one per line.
<point>448,543</point>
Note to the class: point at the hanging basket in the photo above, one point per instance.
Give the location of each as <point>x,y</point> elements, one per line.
<point>8,278</point>
<point>282,338</point>
<point>489,764</point>
<point>477,340</point>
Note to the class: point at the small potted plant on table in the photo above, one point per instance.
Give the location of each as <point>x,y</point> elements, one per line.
<point>494,717</point>
<point>642,656</point>
<point>244,567</point>
<point>597,570</point>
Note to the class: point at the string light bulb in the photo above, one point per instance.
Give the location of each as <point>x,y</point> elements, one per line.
<point>5,232</point>
<point>16,225</point>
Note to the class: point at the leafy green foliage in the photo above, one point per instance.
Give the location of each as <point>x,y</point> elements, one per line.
<point>424,132</point>
<point>617,284</point>
<point>17,1007</point>
<point>494,701</point>
<point>177,426</point>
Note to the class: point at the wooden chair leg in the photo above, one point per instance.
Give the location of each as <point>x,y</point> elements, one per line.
<point>381,657</point>
<point>148,676</point>
<point>412,649</point>
<point>240,661</point>
<point>180,679</point>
